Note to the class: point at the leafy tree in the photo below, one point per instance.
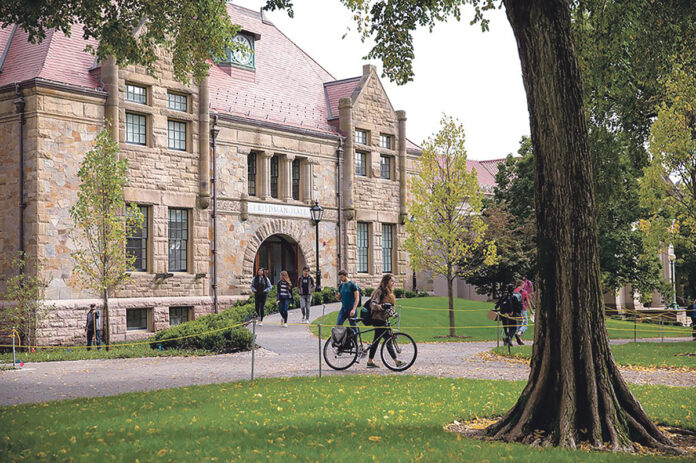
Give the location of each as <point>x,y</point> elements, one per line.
<point>24,295</point>
<point>446,232</point>
<point>132,30</point>
<point>575,391</point>
<point>101,260</point>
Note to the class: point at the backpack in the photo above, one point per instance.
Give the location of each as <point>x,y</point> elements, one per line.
<point>340,337</point>
<point>366,313</point>
<point>517,305</point>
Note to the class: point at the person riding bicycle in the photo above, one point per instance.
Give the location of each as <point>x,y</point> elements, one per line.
<point>379,301</point>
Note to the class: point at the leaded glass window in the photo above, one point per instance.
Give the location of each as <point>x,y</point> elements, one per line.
<point>385,141</point>
<point>136,243</point>
<point>178,315</point>
<point>136,319</point>
<point>387,247</point>
<point>363,245</point>
<point>177,102</point>
<point>296,179</point>
<point>361,137</point>
<point>361,164</point>
<point>176,135</point>
<point>251,174</point>
<point>178,240</point>
<point>385,167</point>
<point>274,176</point>
<point>136,94</point>
<point>136,132</point>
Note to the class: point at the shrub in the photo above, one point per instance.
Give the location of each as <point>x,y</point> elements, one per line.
<point>328,295</point>
<point>423,294</point>
<point>197,333</point>
<point>398,292</point>
<point>410,294</point>
<point>317,298</point>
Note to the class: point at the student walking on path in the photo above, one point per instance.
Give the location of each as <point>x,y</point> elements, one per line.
<point>93,328</point>
<point>527,307</point>
<point>260,286</point>
<point>381,301</point>
<point>284,295</point>
<point>305,286</point>
<point>509,312</point>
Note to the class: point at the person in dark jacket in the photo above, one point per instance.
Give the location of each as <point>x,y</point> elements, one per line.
<point>284,296</point>
<point>305,287</point>
<point>382,296</point>
<point>93,328</point>
<point>510,313</point>
<point>260,286</point>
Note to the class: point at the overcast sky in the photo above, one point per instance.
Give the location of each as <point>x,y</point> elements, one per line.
<point>459,70</point>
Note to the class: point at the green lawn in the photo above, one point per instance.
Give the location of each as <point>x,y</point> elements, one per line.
<point>427,320</point>
<point>80,353</point>
<point>339,418</point>
<point>641,354</point>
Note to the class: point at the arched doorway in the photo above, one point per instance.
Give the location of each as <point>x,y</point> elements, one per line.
<point>277,253</point>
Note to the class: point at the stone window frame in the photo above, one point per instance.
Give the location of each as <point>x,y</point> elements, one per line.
<point>361,164</point>
<point>386,141</point>
<point>172,141</point>
<point>137,97</point>
<point>147,226</point>
<point>389,167</point>
<point>142,137</point>
<point>187,239</point>
<point>175,99</point>
<point>252,177</point>
<point>181,309</point>
<point>148,326</point>
<point>388,258</point>
<point>296,180</point>
<point>362,137</point>
<point>362,246</point>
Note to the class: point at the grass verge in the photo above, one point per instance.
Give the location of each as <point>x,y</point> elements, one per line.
<point>338,418</point>
<point>427,320</point>
<point>673,355</point>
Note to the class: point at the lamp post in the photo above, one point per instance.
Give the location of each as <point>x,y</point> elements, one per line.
<point>317,212</point>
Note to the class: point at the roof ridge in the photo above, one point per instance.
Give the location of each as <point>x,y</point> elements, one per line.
<point>240,7</point>
<point>341,81</point>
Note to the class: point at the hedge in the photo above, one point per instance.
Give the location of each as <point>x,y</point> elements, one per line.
<point>221,340</point>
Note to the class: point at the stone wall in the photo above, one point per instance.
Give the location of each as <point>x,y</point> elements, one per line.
<point>9,186</point>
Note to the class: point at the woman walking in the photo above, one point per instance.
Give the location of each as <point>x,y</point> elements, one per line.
<point>260,286</point>
<point>284,295</point>
<point>381,300</point>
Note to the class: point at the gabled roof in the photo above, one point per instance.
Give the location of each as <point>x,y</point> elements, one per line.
<point>338,89</point>
<point>485,172</point>
<point>58,58</point>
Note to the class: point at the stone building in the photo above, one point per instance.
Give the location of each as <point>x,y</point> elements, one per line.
<point>224,171</point>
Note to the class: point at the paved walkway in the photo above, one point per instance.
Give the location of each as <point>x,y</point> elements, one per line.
<point>284,352</point>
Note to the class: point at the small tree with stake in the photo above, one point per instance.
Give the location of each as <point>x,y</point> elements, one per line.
<point>101,260</point>
<point>446,232</point>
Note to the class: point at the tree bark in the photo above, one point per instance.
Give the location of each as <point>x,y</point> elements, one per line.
<point>106,334</point>
<point>575,392</point>
<point>450,298</point>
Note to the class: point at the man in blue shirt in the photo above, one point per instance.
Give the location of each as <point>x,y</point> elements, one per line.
<point>349,295</point>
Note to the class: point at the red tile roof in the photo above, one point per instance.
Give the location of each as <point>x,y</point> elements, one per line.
<point>339,89</point>
<point>57,58</point>
<point>485,172</point>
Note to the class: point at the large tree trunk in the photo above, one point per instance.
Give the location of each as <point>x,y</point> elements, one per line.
<point>575,391</point>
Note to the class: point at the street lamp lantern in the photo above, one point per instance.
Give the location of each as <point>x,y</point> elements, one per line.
<point>317,213</point>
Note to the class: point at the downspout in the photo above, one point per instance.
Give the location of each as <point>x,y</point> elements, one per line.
<point>19,106</point>
<point>214,131</point>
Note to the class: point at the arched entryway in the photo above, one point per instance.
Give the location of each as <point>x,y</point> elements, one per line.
<point>278,253</point>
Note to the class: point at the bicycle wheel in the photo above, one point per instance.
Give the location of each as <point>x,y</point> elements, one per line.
<point>340,359</point>
<point>405,349</point>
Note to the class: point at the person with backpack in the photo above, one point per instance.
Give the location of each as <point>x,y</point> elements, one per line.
<point>283,297</point>
<point>522,296</point>
<point>305,287</point>
<point>509,312</point>
<point>349,296</point>
<point>260,286</point>
<point>381,301</point>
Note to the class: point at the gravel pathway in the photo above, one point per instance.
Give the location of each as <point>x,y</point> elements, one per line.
<point>284,352</point>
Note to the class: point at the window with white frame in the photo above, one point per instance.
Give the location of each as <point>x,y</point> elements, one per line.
<point>387,247</point>
<point>361,163</point>
<point>176,135</point>
<point>385,163</point>
<point>136,129</point>
<point>361,137</point>
<point>136,94</point>
<point>385,141</point>
<point>177,101</point>
<point>363,246</point>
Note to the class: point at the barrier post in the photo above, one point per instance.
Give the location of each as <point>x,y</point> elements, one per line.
<point>320,350</point>
<point>253,347</point>
<point>14,359</point>
<point>635,325</point>
<point>323,312</point>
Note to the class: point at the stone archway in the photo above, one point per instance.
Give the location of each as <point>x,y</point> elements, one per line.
<point>296,230</point>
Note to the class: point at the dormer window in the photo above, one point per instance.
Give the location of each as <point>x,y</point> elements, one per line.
<point>243,56</point>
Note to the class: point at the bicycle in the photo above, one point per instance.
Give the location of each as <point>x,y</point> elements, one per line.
<point>403,345</point>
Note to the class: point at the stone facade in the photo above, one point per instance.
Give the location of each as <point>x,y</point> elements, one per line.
<point>208,180</point>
